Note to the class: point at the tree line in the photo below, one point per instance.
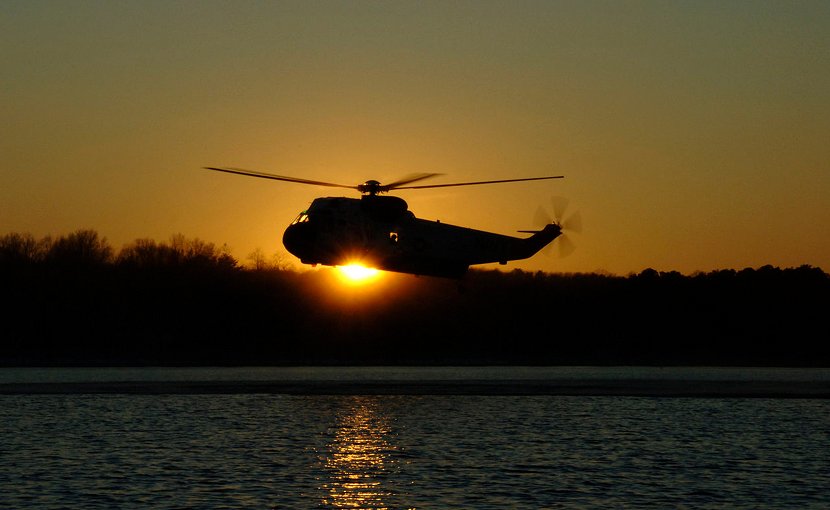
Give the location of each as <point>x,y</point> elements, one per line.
<point>86,249</point>
<point>75,300</point>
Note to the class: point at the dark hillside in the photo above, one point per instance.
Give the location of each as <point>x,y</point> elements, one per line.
<point>75,301</point>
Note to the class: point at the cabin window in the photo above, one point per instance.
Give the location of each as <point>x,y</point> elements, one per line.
<point>302,218</point>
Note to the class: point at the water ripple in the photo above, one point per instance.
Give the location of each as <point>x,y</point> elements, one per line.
<point>278,451</point>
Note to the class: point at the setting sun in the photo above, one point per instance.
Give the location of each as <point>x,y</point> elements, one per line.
<point>357,273</point>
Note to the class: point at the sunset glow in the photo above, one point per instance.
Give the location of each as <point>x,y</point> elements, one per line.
<point>683,129</point>
<point>357,273</point>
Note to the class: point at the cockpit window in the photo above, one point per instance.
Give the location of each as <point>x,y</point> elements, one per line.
<point>302,218</point>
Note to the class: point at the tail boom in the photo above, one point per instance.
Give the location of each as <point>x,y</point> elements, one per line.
<point>526,248</point>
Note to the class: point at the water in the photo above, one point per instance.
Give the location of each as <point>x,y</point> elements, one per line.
<point>255,450</point>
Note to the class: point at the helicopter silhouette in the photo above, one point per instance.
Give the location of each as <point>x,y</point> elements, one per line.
<point>381,232</point>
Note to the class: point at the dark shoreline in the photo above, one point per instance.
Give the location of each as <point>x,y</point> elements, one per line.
<point>167,308</point>
<point>563,387</point>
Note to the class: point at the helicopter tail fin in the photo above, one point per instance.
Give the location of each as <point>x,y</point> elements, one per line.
<point>539,239</point>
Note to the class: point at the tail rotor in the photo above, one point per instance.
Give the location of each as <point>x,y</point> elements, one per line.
<point>569,224</point>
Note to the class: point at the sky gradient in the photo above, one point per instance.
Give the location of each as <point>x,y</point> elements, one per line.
<point>693,136</point>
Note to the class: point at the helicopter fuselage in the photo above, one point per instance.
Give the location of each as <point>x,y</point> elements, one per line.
<point>380,232</point>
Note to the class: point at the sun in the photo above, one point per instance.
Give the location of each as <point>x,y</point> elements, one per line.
<point>357,273</point>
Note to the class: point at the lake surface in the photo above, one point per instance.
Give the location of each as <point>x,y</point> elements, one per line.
<point>267,450</point>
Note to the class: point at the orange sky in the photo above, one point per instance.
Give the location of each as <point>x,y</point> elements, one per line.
<point>693,135</point>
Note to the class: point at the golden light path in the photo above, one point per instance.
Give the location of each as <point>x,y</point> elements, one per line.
<point>359,458</point>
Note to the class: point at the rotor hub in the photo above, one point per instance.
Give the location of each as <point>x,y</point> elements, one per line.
<point>371,187</point>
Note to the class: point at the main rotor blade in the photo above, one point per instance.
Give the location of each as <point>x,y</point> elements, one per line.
<point>479,182</point>
<point>277,177</point>
<point>408,179</point>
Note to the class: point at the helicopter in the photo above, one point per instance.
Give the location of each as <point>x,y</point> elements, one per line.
<point>379,231</point>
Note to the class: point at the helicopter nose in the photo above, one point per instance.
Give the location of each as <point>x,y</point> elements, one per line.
<point>298,240</point>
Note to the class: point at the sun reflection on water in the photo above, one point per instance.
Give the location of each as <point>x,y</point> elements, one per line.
<point>360,458</point>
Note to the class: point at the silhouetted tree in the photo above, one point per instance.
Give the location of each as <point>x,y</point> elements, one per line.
<point>200,254</point>
<point>188,302</point>
<point>18,249</point>
<point>181,252</point>
<point>82,248</point>
<point>146,253</point>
